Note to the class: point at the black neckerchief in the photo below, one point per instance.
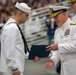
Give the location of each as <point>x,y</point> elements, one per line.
<point>23,38</point>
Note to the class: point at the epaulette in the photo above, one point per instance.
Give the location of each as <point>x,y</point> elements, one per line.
<point>72,23</point>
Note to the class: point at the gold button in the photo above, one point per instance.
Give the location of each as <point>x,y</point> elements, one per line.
<point>61,53</point>
<point>61,36</point>
<point>66,41</point>
<point>66,36</point>
<point>63,61</point>
<point>62,28</point>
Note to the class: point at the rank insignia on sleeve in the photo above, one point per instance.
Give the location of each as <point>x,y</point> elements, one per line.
<point>67,32</point>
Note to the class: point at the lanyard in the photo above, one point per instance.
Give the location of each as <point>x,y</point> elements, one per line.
<point>24,40</point>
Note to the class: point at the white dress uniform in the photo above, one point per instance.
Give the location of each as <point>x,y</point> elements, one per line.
<point>12,49</point>
<point>12,45</point>
<point>65,36</point>
<point>74,18</point>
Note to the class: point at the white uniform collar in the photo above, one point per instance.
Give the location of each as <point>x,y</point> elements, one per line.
<point>10,21</point>
<point>65,25</point>
<point>74,18</point>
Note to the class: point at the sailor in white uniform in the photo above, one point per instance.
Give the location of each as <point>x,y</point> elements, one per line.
<point>13,47</point>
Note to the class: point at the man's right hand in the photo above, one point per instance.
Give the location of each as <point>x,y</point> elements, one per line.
<point>49,63</point>
<point>36,59</point>
<point>16,73</point>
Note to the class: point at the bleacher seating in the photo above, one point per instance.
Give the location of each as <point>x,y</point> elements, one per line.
<point>35,29</point>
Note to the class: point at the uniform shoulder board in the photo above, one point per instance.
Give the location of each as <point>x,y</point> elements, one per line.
<point>72,23</point>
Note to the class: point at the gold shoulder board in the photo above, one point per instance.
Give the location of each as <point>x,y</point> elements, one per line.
<point>72,23</point>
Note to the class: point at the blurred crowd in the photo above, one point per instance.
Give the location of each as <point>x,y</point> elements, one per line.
<point>7,6</point>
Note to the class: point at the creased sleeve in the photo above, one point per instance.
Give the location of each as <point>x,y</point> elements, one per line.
<point>55,54</point>
<point>9,47</point>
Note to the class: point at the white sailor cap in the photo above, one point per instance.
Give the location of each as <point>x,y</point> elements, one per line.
<point>55,10</point>
<point>23,7</point>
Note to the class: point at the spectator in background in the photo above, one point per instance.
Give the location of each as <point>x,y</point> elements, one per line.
<point>5,15</point>
<point>54,1</point>
<point>44,2</point>
<point>35,4</point>
<point>73,8</point>
<point>51,26</point>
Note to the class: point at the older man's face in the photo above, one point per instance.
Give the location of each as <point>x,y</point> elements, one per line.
<point>60,19</point>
